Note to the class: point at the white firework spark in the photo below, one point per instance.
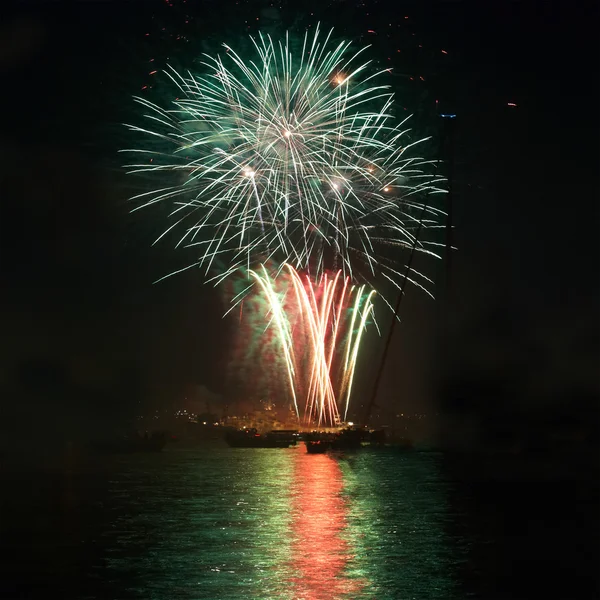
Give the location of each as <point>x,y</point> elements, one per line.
<point>292,156</point>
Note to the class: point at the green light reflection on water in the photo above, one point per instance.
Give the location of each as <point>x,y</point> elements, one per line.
<point>213,525</point>
<point>227,523</point>
<point>254,542</point>
<point>397,510</point>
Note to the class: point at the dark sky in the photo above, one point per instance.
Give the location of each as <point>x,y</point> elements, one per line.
<point>79,308</point>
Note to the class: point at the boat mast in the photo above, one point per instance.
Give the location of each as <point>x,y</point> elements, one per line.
<point>448,134</point>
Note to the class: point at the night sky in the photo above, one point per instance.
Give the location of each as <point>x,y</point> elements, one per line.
<point>86,333</point>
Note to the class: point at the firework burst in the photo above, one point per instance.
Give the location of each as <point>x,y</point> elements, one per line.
<point>290,155</point>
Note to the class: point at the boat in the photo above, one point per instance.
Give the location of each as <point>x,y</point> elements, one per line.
<point>290,435</point>
<point>250,438</point>
<point>317,446</point>
<point>348,439</point>
<point>377,437</point>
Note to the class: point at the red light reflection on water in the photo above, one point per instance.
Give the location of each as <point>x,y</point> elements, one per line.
<point>319,512</point>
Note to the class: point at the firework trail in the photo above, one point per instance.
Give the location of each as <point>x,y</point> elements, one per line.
<point>292,156</point>
<point>320,327</point>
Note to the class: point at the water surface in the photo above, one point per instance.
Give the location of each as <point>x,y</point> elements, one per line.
<point>223,523</point>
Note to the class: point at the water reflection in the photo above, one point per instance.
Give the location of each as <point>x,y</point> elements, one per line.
<point>214,525</point>
<point>222,523</point>
<point>319,518</point>
<point>398,511</point>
